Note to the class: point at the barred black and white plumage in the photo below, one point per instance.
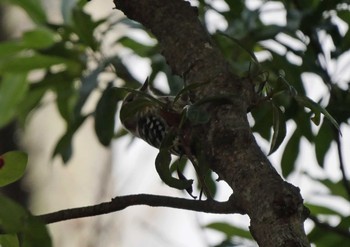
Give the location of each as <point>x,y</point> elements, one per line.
<point>152,129</point>
<point>151,121</point>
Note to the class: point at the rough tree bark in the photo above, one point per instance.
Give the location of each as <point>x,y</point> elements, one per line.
<point>274,206</point>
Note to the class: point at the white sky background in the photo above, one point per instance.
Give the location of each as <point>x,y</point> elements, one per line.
<point>147,225</point>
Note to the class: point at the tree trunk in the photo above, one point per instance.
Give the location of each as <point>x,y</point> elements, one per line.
<point>274,206</point>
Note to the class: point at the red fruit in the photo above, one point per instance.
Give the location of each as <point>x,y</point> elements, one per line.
<point>2,162</point>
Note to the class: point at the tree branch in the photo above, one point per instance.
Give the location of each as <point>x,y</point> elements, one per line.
<point>121,202</point>
<point>226,142</point>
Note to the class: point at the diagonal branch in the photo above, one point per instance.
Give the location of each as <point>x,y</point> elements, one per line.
<point>121,202</point>
<point>226,142</point>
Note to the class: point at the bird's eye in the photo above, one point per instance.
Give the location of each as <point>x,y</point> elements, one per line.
<point>130,97</point>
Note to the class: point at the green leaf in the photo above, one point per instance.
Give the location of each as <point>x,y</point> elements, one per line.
<point>318,209</point>
<point>229,230</point>
<point>9,240</point>
<point>316,109</point>
<point>321,236</point>
<point>241,45</point>
<point>163,168</point>
<point>210,182</point>
<point>66,10</point>
<point>138,48</point>
<point>13,88</point>
<point>336,188</point>
<point>290,154</point>
<point>182,177</point>
<point>263,120</point>
<point>105,114</point>
<point>14,219</point>
<point>84,26</point>
<point>88,84</point>
<point>64,146</point>
<point>31,101</point>
<point>123,73</point>
<point>12,216</point>
<point>179,164</point>
<point>66,99</point>
<point>10,48</point>
<point>267,32</point>
<point>33,8</point>
<point>20,64</point>
<point>12,166</point>
<point>323,142</point>
<point>279,128</point>
<point>35,233</point>
<point>38,38</point>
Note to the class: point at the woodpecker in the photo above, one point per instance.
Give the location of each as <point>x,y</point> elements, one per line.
<point>160,122</point>
<point>152,118</point>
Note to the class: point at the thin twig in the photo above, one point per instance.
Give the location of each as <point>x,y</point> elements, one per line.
<point>341,163</point>
<point>122,202</point>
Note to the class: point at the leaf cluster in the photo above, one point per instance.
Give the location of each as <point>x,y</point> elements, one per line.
<point>17,226</point>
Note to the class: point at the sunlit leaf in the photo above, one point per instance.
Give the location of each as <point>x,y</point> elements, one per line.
<point>12,166</point>
<point>9,240</point>
<point>38,38</point>
<point>31,61</point>
<point>13,88</point>
<point>10,48</point>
